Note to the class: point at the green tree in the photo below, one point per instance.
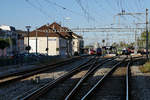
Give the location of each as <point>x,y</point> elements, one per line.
<point>3,44</point>
<point>142,40</point>
<point>122,44</point>
<point>115,44</point>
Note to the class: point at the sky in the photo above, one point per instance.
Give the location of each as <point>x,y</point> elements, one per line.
<point>74,13</point>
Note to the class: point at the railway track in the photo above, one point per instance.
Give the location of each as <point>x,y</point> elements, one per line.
<point>90,80</point>
<point>111,86</point>
<point>53,82</point>
<point>128,75</point>
<point>12,77</point>
<point>79,71</point>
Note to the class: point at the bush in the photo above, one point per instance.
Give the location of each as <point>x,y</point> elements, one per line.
<point>145,68</point>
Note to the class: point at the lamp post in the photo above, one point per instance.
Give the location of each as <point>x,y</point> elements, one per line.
<point>36,40</point>
<point>147,35</point>
<point>47,37</point>
<point>28,47</point>
<point>47,42</point>
<point>69,47</point>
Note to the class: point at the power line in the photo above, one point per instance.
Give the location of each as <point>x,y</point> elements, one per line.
<point>102,8</point>
<point>38,8</point>
<point>121,5</point>
<point>62,7</point>
<point>85,11</point>
<point>67,9</point>
<point>109,5</point>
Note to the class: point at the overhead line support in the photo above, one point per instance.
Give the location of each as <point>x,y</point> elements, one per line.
<point>147,38</point>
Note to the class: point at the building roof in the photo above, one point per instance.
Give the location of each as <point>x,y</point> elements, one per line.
<point>77,36</point>
<point>56,26</point>
<point>7,28</point>
<point>42,33</point>
<point>52,31</point>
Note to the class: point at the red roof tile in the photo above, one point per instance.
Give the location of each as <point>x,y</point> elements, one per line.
<point>41,32</point>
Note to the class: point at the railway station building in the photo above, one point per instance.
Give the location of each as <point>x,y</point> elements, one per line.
<point>40,39</point>
<point>59,40</point>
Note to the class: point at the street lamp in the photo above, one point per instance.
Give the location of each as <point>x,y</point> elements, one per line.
<point>47,42</point>
<point>28,47</point>
<point>47,37</point>
<point>36,40</point>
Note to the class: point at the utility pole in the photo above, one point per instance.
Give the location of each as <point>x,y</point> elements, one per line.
<point>28,47</point>
<point>132,14</point>
<point>47,31</point>
<point>147,34</point>
<point>47,42</point>
<point>136,46</point>
<point>36,41</point>
<point>107,39</point>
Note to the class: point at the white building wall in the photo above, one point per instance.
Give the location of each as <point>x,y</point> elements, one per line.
<point>57,46</point>
<point>32,43</point>
<point>77,45</point>
<point>63,47</point>
<point>53,45</point>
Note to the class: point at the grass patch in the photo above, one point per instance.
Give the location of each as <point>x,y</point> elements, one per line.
<point>146,67</point>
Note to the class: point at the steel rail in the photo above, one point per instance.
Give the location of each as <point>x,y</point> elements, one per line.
<point>127,79</point>
<point>40,91</point>
<point>101,80</point>
<point>72,92</point>
<point>10,79</point>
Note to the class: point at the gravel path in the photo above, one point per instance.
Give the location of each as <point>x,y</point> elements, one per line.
<point>13,90</point>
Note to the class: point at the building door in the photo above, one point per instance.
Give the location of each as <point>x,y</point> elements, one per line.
<point>32,43</point>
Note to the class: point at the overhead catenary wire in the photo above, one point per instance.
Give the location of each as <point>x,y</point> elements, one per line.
<point>121,4</point>
<point>141,4</point>
<point>62,7</point>
<point>67,9</point>
<point>138,5</point>
<point>103,12</point>
<point>39,9</point>
<point>87,15</point>
<point>38,2</point>
<point>100,7</point>
<point>139,18</point>
<point>109,5</point>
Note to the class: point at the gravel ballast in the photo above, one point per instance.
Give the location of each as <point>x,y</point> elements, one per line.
<point>16,89</point>
<point>140,83</point>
